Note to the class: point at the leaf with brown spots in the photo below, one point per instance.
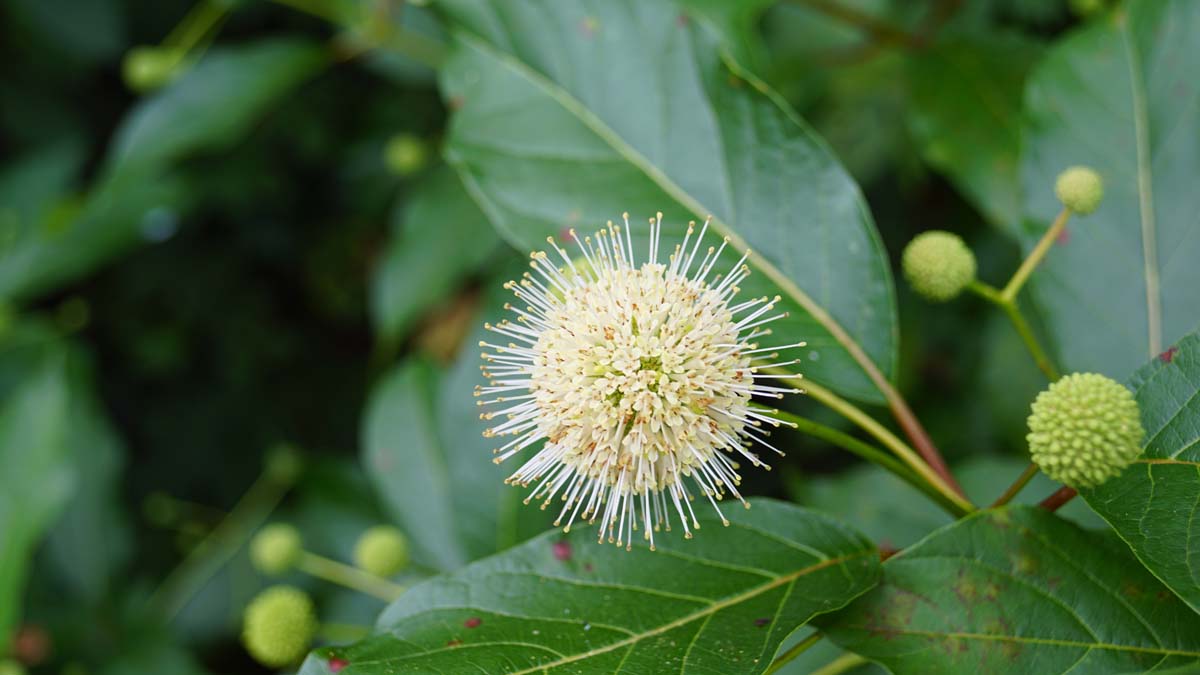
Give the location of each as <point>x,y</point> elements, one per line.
<point>1017,590</point>
<point>719,603</point>
<point>1154,504</point>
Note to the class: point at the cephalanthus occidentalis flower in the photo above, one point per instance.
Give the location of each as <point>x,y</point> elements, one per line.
<point>635,377</point>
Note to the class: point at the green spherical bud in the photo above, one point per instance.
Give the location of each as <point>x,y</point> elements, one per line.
<point>276,549</point>
<point>405,154</point>
<point>938,265</point>
<point>1084,430</point>
<point>9,667</point>
<point>148,68</point>
<point>1080,189</point>
<point>382,551</point>
<point>278,626</point>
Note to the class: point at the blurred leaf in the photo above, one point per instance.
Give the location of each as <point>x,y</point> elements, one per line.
<point>1153,504</point>
<point>966,116</point>
<point>156,656</point>
<point>894,514</point>
<point>432,467</point>
<point>30,185</point>
<point>136,197</point>
<point>34,456</point>
<point>95,30</point>
<point>1120,96</point>
<point>91,541</point>
<point>561,123</point>
<point>719,603</point>
<point>215,102</point>
<point>1017,590</point>
<point>121,210</point>
<point>439,238</point>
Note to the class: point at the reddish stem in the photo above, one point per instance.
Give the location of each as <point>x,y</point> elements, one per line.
<point>1062,496</point>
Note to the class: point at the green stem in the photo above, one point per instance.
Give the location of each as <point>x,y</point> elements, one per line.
<point>796,650</point>
<point>889,440</point>
<point>350,577</point>
<point>871,454</point>
<point>1035,257</point>
<point>1012,491</point>
<point>1013,311</point>
<point>840,665</point>
<point>221,544</point>
<point>192,29</point>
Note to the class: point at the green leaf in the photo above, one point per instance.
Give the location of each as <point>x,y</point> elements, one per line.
<point>718,603</point>
<point>92,539</point>
<point>966,117</point>
<point>439,238</point>
<point>1119,96</point>
<point>136,197</point>
<point>896,516</point>
<point>1154,503</point>
<point>214,103</point>
<point>425,452</point>
<point>34,457</point>
<point>1017,590</point>
<point>569,114</point>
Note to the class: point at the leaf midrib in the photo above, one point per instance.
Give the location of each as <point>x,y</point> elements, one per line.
<point>682,197</point>
<point>707,611</point>
<point>1021,639</point>
<point>1141,134</point>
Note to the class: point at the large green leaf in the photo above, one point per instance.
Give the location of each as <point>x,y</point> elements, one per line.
<point>1154,503</point>
<point>439,238</point>
<point>966,115</point>
<point>570,112</point>
<point>1120,96</point>
<point>718,603</point>
<point>34,458</point>
<point>1018,590</point>
<point>424,450</point>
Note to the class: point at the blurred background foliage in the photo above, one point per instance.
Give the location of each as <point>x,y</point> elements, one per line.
<point>228,242</point>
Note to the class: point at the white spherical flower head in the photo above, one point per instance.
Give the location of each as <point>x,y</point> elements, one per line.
<point>638,378</point>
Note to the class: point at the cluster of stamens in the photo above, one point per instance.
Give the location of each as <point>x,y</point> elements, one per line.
<point>633,379</point>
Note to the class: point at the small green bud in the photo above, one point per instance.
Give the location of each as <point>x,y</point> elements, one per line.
<point>405,154</point>
<point>279,625</point>
<point>9,667</point>
<point>382,551</point>
<point>1080,189</point>
<point>938,265</point>
<point>1084,430</point>
<point>148,68</point>
<point>276,549</point>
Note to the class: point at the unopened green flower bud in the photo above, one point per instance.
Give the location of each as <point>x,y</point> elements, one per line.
<point>148,68</point>
<point>938,265</point>
<point>1084,430</point>
<point>1080,189</point>
<point>276,549</point>
<point>405,154</point>
<point>9,667</point>
<point>279,625</point>
<point>382,551</point>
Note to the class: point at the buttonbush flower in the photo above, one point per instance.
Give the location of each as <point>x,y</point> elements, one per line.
<point>279,625</point>
<point>938,265</point>
<point>637,378</point>
<point>276,549</point>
